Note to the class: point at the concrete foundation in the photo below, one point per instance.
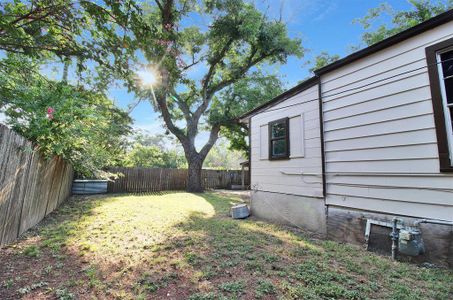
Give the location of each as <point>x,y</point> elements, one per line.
<point>347,225</point>
<point>305,212</point>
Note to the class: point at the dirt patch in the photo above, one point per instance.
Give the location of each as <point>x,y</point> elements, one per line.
<point>185,246</point>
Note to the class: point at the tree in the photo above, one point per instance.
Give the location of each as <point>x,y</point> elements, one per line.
<point>143,138</point>
<point>221,157</point>
<point>322,60</point>
<point>243,96</point>
<point>236,42</point>
<point>145,156</point>
<point>77,122</point>
<point>89,31</point>
<point>421,11</point>
<point>38,27</point>
<point>153,151</point>
<point>82,126</point>
<point>153,157</point>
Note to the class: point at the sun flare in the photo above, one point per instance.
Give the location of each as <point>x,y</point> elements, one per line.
<point>147,77</point>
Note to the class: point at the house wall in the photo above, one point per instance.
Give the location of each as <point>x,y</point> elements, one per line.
<point>348,225</point>
<point>381,155</point>
<point>380,141</point>
<point>289,191</point>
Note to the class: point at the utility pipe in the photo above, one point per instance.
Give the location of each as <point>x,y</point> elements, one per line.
<point>431,221</point>
<point>395,237</point>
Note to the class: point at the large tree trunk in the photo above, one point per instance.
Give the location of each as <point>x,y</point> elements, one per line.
<point>194,180</point>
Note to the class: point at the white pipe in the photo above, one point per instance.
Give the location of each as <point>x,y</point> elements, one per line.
<point>431,221</point>
<point>386,174</point>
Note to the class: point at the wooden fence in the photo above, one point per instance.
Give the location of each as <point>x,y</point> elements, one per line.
<point>136,180</point>
<point>30,186</point>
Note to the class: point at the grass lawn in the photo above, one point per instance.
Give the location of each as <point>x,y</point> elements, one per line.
<point>184,246</point>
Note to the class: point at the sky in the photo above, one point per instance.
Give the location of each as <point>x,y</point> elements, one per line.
<point>323,25</point>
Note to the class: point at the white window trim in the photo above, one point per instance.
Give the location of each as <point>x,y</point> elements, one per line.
<point>299,152</point>
<point>448,120</point>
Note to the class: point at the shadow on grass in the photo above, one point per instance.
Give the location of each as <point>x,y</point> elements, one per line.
<point>252,259</point>
<point>185,246</point>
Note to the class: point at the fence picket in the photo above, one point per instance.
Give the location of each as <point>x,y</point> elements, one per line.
<point>138,180</point>
<point>30,185</point>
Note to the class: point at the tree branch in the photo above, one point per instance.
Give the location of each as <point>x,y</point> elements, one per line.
<point>162,102</point>
<point>218,58</point>
<point>194,62</point>
<point>213,136</point>
<point>251,62</point>
<point>159,5</point>
<point>206,97</point>
<point>182,105</point>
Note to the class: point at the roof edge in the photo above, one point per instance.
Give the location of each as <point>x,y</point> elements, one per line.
<point>390,41</point>
<point>283,96</point>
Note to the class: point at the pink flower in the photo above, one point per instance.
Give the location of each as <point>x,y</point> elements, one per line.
<point>165,43</point>
<point>180,62</point>
<point>50,112</point>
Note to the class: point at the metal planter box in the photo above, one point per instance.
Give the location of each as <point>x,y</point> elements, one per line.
<point>240,211</point>
<point>89,186</point>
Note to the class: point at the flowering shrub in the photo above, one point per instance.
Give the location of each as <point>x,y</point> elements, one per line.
<point>80,125</point>
<point>50,112</point>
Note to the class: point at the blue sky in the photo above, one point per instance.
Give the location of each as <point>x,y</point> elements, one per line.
<point>323,25</point>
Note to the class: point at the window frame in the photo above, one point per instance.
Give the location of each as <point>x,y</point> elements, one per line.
<point>286,138</point>
<point>444,140</point>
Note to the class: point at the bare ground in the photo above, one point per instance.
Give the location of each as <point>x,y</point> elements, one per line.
<point>184,246</point>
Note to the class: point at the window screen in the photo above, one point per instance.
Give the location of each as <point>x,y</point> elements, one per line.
<point>279,139</point>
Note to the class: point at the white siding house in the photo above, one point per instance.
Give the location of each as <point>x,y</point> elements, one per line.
<point>379,133</point>
<point>298,176</point>
<point>381,147</point>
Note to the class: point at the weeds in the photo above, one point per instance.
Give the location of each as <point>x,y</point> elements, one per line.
<point>264,288</point>
<point>233,287</point>
<point>64,294</point>
<point>27,289</point>
<point>32,251</point>
<point>7,284</point>
<point>186,245</point>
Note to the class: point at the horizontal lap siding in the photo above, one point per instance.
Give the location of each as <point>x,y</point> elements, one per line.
<point>380,140</point>
<point>300,175</point>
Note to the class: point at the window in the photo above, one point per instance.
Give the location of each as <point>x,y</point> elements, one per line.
<point>440,69</point>
<point>279,139</point>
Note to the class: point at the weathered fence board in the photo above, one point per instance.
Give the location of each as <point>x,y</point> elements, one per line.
<point>136,180</point>
<point>30,186</point>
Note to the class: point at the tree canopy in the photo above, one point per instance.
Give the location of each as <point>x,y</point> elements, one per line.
<point>75,120</point>
<point>223,157</point>
<point>200,68</point>
<point>80,125</point>
<point>243,96</point>
<point>153,151</point>
<point>322,60</point>
<point>421,11</point>
<point>160,151</point>
<point>84,29</point>
<point>236,41</point>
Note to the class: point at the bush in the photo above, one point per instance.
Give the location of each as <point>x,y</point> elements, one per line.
<point>80,125</point>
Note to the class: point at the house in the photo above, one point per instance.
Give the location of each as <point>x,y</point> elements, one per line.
<point>368,139</point>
